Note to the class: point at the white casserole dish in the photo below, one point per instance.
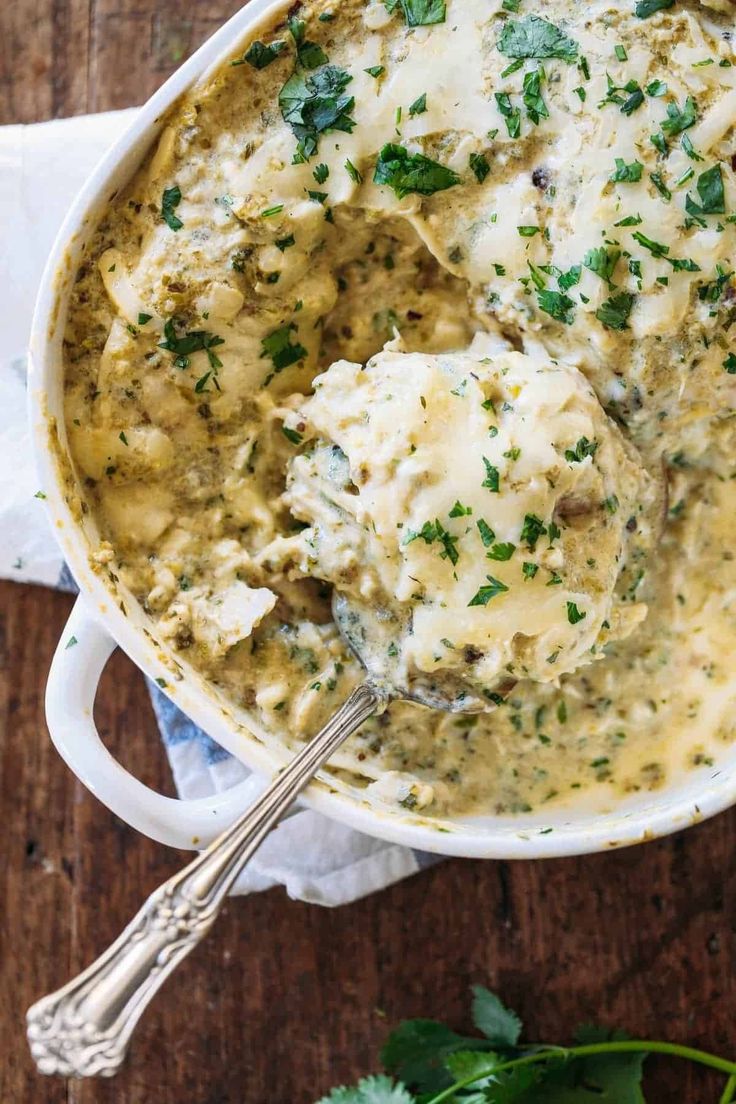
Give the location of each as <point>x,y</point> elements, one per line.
<point>99,625</point>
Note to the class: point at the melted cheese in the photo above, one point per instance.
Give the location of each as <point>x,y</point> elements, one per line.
<point>286,264</point>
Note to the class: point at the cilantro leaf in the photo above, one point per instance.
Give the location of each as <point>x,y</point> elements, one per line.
<point>710,192</point>
<point>602,261</point>
<point>486,593</point>
<point>629,174</point>
<point>492,479</point>
<point>513,1087</point>
<point>614,313</point>
<point>501,552</point>
<point>416,1052</point>
<point>412,173</point>
<point>583,449</point>
<point>678,120</point>
<point>729,365</point>
<point>370,1090</point>
<point>532,529</point>
<point>194,341</point>
<point>170,200</point>
<point>533,100</point>
<point>574,615</point>
<point>558,305</point>
<point>422,13</point>
<point>466,1063</point>
<point>458,510</point>
<point>486,533</point>
<point>278,346</point>
<point>534,37</point>
<point>315,104</point>
<point>499,1024</point>
<point>511,114</point>
<point>259,55</point>
<point>419,106</point>
<point>479,165</point>
<point>645,8</point>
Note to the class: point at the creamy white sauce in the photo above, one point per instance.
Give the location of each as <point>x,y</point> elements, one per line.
<point>254,286</point>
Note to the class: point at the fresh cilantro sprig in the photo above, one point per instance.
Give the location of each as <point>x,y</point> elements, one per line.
<point>430,1063</point>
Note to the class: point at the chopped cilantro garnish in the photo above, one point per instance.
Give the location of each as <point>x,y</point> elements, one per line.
<point>689,149</point>
<point>614,313</point>
<point>486,533</point>
<point>627,104</point>
<point>354,174</point>
<point>194,341</point>
<point>419,106</point>
<point>285,243</point>
<point>292,435</point>
<point>628,174</point>
<point>278,346</point>
<point>420,13</point>
<point>574,615</point>
<point>603,262</point>
<point>271,211</point>
<point>511,114</point>
<point>486,593</point>
<point>479,165</point>
<point>320,173</point>
<point>458,510</point>
<point>658,182</point>
<point>528,231</point>
<point>260,54</point>
<point>532,530</point>
<point>532,97</point>
<point>534,37</point>
<point>315,104</point>
<point>569,279</point>
<point>620,51</point>
<point>529,570</point>
<point>375,70</point>
<point>492,479</point>
<point>143,319</point>
<point>711,194</point>
<point>678,120</point>
<point>729,364</point>
<point>582,450</point>
<point>170,200</point>
<point>501,552</point>
<point>645,8</point>
<point>656,88</point>
<point>412,173</point>
<point>630,220</point>
<point>558,305</point>
<point>657,249</point>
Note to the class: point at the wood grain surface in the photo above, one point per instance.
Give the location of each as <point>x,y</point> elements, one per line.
<point>286,1000</point>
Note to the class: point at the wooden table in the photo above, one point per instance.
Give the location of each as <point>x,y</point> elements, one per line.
<point>286,1000</point>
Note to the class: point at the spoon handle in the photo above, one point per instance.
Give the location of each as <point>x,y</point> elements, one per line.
<point>83,1029</point>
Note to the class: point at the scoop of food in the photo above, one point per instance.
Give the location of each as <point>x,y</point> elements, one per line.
<point>479,515</point>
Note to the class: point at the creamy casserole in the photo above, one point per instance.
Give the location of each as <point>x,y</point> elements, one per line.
<point>454,183</point>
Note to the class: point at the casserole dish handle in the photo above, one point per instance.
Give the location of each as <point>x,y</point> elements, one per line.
<point>80,659</point>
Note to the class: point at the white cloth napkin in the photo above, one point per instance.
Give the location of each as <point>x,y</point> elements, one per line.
<point>41,168</point>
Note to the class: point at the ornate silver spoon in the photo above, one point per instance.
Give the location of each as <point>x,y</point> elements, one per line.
<point>84,1028</point>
